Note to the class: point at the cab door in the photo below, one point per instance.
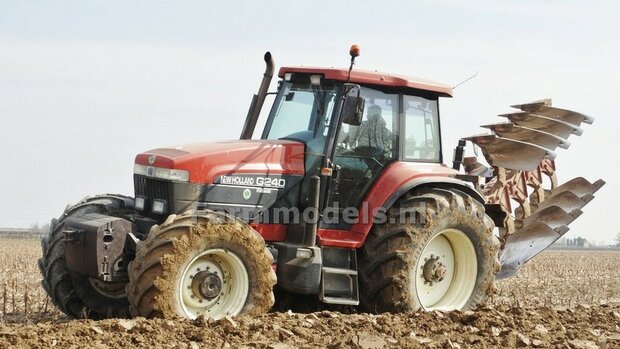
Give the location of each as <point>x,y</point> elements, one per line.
<point>362,153</point>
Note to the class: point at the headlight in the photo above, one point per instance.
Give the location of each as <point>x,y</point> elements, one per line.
<point>139,203</point>
<point>315,80</point>
<point>159,206</point>
<point>162,173</point>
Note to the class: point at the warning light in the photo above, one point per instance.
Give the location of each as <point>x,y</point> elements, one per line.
<point>354,51</point>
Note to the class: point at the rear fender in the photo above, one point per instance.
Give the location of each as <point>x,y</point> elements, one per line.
<point>362,229</point>
<point>435,182</point>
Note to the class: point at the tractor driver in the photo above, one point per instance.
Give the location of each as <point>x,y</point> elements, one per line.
<point>373,132</point>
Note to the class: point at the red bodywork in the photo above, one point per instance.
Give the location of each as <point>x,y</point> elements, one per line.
<point>373,78</point>
<point>206,161</point>
<point>392,179</point>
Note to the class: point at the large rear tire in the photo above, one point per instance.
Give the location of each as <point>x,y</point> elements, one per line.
<point>76,295</point>
<point>205,264</point>
<point>445,257</point>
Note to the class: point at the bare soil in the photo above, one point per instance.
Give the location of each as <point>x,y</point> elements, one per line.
<point>559,300</point>
<point>581,327</point>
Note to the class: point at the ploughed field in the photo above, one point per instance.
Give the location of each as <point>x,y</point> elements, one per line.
<point>562,299</point>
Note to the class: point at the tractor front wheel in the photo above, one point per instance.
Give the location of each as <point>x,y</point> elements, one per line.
<point>437,252</point>
<point>205,264</point>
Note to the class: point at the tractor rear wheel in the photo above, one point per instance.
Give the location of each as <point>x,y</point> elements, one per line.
<point>206,264</point>
<point>76,295</point>
<point>443,257</point>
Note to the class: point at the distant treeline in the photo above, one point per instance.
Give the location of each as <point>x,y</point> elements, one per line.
<point>583,248</point>
<point>21,233</point>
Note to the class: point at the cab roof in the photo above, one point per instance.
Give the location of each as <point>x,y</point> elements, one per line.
<point>373,78</point>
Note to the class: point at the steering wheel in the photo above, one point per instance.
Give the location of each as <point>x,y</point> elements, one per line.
<point>370,155</point>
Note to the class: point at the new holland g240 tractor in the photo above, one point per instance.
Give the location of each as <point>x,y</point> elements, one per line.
<point>343,197</point>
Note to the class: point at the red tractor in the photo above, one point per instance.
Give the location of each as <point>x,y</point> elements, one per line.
<point>344,197</point>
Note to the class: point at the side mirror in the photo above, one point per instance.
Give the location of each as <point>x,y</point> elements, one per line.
<point>353,106</point>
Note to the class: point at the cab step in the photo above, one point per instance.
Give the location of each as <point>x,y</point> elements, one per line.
<point>339,283</point>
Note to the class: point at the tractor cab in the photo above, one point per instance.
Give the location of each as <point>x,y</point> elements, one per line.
<point>354,124</point>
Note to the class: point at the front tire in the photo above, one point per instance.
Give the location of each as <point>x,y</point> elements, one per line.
<point>74,294</point>
<point>204,264</point>
<point>445,259</point>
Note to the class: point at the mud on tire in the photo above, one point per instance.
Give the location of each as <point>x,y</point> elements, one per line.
<point>158,281</point>
<point>74,294</point>
<point>389,259</point>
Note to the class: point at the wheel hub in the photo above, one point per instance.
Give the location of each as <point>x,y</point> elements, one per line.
<point>206,284</point>
<point>433,270</point>
<point>108,289</point>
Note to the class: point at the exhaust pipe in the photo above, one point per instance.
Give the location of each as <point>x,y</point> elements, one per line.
<point>258,99</point>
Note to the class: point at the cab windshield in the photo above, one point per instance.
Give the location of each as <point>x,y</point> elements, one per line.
<point>302,112</point>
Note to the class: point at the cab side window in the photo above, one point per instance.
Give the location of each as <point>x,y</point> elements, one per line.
<point>375,137</point>
<point>421,136</point>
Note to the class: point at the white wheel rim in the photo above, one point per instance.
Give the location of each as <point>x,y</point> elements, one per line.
<point>453,252</point>
<point>234,285</point>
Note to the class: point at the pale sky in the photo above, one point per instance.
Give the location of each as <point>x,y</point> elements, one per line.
<point>86,85</point>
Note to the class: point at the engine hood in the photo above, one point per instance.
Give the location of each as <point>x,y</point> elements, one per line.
<point>206,161</point>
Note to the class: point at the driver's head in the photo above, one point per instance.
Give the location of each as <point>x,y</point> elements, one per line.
<point>374,112</point>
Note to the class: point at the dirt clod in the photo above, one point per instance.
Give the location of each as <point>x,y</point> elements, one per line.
<point>541,329</point>
<point>523,340</point>
<point>96,329</point>
<point>126,324</point>
<point>582,344</point>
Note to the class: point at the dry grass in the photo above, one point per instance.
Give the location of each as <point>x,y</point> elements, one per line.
<point>564,278</point>
<point>20,288</point>
<point>554,278</point>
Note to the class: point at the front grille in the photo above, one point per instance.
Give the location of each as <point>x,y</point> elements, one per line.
<point>152,188</point>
